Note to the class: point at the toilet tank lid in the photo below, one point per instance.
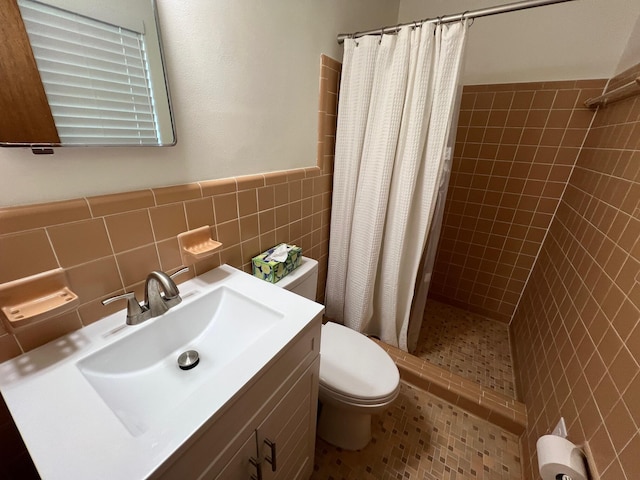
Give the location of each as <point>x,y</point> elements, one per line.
<point>299,275</point>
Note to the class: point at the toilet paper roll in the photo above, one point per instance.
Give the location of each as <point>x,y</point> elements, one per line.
<point>557,456</point>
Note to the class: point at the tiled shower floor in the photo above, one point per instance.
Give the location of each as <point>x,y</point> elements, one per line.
<point>423,437</point>
<point>468,345</point>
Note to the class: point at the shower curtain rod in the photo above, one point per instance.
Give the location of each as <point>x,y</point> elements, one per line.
<point>482,12</point>
<point>625,91</point>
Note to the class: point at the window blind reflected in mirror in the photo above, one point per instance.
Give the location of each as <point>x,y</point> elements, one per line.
<point>95,75</point>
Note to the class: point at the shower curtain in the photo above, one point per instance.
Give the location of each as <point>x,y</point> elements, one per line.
<point>425,269</point>
<point>397,101</point>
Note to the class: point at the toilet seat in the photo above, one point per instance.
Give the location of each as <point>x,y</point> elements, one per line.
<point>328,393</point>
<point>354,369</point>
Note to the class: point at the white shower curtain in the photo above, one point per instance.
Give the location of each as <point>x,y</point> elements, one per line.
<point>397,100</point>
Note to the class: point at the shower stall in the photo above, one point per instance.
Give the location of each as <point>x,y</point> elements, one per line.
<point>496,187</point>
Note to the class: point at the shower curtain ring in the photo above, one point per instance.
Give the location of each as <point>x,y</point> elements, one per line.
<point>462,18</point>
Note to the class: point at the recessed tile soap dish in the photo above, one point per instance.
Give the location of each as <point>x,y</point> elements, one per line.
<point>38,297</point>
<point>197,245</point>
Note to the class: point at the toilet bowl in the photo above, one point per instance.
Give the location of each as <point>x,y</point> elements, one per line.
<point>357,377</point>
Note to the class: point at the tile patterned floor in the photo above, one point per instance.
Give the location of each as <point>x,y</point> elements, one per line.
<point>423,437</point>
<point>467,344</point>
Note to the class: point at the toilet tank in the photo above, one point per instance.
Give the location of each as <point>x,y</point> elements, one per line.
<point>303,280</point>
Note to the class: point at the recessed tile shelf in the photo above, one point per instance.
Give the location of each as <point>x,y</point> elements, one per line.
<point>33,299</point>
<point>197,244</point>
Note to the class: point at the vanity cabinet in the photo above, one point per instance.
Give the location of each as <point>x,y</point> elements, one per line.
<point>281,447</point>
<point>267,431</point>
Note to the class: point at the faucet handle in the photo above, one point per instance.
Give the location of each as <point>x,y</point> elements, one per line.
<point>179,272</point>
<point>135,312</point>
<point>130,296</point>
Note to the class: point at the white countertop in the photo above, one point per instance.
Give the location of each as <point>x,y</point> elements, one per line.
<point>70,431</point>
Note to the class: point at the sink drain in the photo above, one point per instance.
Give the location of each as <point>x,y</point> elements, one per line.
<point>189,359</point>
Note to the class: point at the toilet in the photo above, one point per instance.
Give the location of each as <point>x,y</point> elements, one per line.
<point>357,377</point>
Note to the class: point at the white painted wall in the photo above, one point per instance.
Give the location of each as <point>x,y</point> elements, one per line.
<point>244,82</point>
<point>631,55</point>
<point>574,40</point>
<point>244,78</point>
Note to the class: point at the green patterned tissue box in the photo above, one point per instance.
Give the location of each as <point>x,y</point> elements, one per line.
<point>272,270</point>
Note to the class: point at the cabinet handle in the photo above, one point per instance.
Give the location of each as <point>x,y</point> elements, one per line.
<point>272,459</point>
<point>258,466</point>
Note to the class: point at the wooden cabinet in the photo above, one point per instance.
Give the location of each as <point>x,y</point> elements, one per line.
<point>267,431</point>
<point>26,116</point>
<point>244,463</point>
<point>282,446</point>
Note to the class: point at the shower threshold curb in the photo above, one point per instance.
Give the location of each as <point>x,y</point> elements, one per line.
<point>495,407</point>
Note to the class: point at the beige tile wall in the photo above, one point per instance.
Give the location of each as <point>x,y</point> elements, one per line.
<point>577,328</point>
<point>515,147</point>
<point>327,120</point>
<point>108,244</point>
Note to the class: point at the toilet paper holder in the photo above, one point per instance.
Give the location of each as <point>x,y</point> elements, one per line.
<point>559,459</point>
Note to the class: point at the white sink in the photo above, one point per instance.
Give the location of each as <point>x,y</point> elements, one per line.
<point>138,376</point>
<point>109,400</point>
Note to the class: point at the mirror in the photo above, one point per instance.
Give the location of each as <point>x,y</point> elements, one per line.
<point>83,73</point>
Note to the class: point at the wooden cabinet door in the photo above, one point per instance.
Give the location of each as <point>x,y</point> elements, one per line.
<point>26,116</point>
<point>240,467</point>
<point>288,433</point>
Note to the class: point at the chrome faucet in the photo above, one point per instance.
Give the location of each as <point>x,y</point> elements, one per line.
<point>160,294</point>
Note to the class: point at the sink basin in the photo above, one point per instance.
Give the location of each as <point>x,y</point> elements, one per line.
<point>110,401</point>
<point>138,376</point>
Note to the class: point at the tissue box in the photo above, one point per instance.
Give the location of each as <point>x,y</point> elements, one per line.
<point>273,271</point>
